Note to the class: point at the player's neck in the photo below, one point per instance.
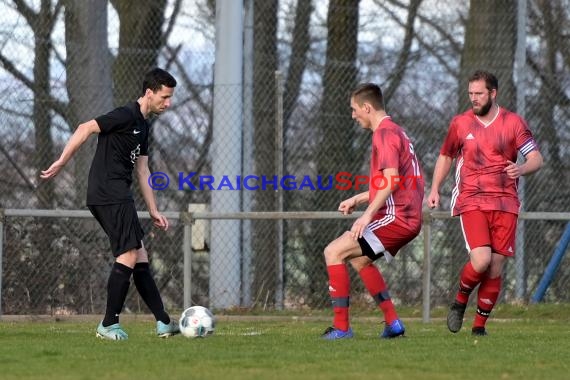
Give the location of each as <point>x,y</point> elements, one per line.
<point>145,109</point>
<point>378,118</point>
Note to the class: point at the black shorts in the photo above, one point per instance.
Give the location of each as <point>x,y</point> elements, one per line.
<point>121,224</point>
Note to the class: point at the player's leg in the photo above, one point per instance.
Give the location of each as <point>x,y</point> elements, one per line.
<point>117,289</point>
<point>376,244</point>
<point>503,246</point>
<point>120,222</point>
<point>475,227</point>
<point>488,294</point>
<point>376,286</point>
<point>146,287</point>
<point>336,254</point>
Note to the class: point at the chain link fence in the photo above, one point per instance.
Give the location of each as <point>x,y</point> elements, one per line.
<point>263,143</point>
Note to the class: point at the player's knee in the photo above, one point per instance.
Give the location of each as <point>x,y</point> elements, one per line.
<point>331,254</point>
<point>481,258</point>
<point>328,252</point>
<point>480,264</point>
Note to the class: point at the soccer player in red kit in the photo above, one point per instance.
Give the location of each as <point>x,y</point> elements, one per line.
<point>392,219</point>
<point>484,141</point>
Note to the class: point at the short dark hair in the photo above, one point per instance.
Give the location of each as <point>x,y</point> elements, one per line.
<point>370,93</point>
<point>491,81</point>
<point>156,78</point>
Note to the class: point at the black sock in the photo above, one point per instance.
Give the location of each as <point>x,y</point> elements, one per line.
<point>117,289</point>
<point>149,292</point>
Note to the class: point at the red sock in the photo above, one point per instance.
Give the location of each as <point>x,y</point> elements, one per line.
<point>486,298</point>
<point>374,282</point>
<point>339,290</point>
<point>468,280</point>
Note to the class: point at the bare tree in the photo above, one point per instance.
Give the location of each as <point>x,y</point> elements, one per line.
<point>264,244</point>
<point>548,115</point>
<point>490,43</point>
<point>41,23</point>
<point>336,151</point>
<point>300,44</point>
<point>88,82</point>
<point>140,41</point>
<point>546,19</point>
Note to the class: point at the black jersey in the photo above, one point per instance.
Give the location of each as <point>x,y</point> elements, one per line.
<point>123,138</point>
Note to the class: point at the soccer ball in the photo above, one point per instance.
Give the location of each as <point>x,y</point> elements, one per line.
<point>197,322</point>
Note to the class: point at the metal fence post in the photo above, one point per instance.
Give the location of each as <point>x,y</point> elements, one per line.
<point>426,275</point>
<point>1,253</point>
<point>187,251</point>
<point>520,71</point>
<point>279,146</point>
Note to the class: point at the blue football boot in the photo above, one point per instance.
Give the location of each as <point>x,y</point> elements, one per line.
<point>393,330</point>
<point>333,334</point>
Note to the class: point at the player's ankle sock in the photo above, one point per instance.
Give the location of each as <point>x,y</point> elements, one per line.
<point>339,290</point>
<point>374,282</point>
<point>149,292</point>
<point>487,296</point>
<point>468,280</point>
<point>117,289</point>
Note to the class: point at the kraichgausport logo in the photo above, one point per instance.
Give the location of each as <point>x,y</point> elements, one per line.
<point>342,181</point>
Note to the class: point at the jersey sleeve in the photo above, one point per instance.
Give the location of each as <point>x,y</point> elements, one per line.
<point>524,139</point>
<point>144,145</point>
<point>388,144</point>
<point>114,120</point>
<point>451,145</point>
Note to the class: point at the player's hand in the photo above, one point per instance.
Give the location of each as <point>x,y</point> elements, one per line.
<point>52,170</point>
<point>159,220</point>
<point>513,170</point>
<point>346,207</point>
<point>433,199</point>
<point>359,225</point>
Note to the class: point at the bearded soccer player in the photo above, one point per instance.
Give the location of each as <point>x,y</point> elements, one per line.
<point>392,218</point>
<point>485,142</point>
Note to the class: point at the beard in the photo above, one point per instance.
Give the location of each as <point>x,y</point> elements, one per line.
<point>484,109</point>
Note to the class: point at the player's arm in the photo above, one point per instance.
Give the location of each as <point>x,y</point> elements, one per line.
<point>143,174</point>
<point>373,207</point>
<point>347,206</point>
<point>80,135</point>
<point>533,162</point>
<point>440,172</point>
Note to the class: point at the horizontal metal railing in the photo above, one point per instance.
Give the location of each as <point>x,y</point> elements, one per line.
<point>188,217</point>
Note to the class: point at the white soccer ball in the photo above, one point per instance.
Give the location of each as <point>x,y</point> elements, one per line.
<point>197,322</point>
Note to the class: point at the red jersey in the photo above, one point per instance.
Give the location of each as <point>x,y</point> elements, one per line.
<point>482,153</point>
<point>391,148</point>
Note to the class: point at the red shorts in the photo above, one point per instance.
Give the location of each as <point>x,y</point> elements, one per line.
<point>390,238</point>
<point>495,229</point>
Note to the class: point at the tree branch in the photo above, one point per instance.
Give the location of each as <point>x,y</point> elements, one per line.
<point>171,22</point>
<point>26,11</point>
<point>438,28</point>
<point>19,170</point>
<point>428,47</point>
<point>298,60</point>
<point>404,56</point>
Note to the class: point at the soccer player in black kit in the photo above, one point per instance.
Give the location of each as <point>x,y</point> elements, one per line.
<point>122,146</point>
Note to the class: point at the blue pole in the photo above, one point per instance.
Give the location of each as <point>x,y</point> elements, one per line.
<point>552,267</point>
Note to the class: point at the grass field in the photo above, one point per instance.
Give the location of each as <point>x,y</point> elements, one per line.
<point>524,343</point>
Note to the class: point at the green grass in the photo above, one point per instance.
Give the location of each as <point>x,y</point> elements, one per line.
<point>288,347</point>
